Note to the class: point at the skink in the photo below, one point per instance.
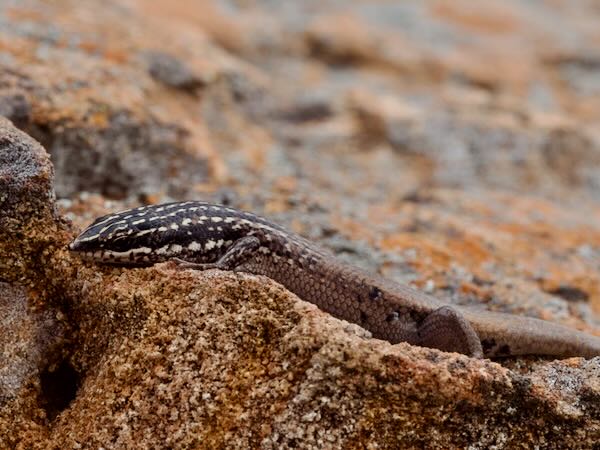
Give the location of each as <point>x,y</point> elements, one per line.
<point>202,236</point>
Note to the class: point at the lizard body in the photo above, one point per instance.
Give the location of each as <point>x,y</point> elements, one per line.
<point>202,236</point>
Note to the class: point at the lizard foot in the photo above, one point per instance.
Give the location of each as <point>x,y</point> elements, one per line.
<point>446,329</point>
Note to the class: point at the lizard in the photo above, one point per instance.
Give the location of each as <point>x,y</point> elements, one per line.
<point>200,235</point>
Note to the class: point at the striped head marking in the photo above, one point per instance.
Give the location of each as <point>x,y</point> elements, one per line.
<point>150,234</point>
<point>115,238</point>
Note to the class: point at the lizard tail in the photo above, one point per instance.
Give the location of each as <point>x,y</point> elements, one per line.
<point>507,335</point>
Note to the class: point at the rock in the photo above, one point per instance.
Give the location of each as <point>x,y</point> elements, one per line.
<point>102,138</point>
<point>27,209</point>
<point>29,348</point>
<point>31,335</point>
<point>171,358</point>
<point>171,71</point>
<point>15,107</point>
<point>218,359</point>
<point>444,145</point>
<point>123,156</point>
<point>462,149</point>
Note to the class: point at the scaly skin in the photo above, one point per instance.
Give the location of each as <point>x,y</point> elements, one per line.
<point>203,236</point>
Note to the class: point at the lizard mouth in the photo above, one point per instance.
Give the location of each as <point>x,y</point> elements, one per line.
<point>83,255</point>
<point>77,245</point>
<point>134,257</point>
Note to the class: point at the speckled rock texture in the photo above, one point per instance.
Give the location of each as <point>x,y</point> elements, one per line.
<point>448,144</point>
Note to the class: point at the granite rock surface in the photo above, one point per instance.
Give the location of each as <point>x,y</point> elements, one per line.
<point>444,144</point>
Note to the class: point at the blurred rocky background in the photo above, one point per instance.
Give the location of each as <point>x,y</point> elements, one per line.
<point>449,144</point>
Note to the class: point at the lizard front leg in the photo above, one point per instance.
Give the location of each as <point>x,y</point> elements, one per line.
<point>240,252</point>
